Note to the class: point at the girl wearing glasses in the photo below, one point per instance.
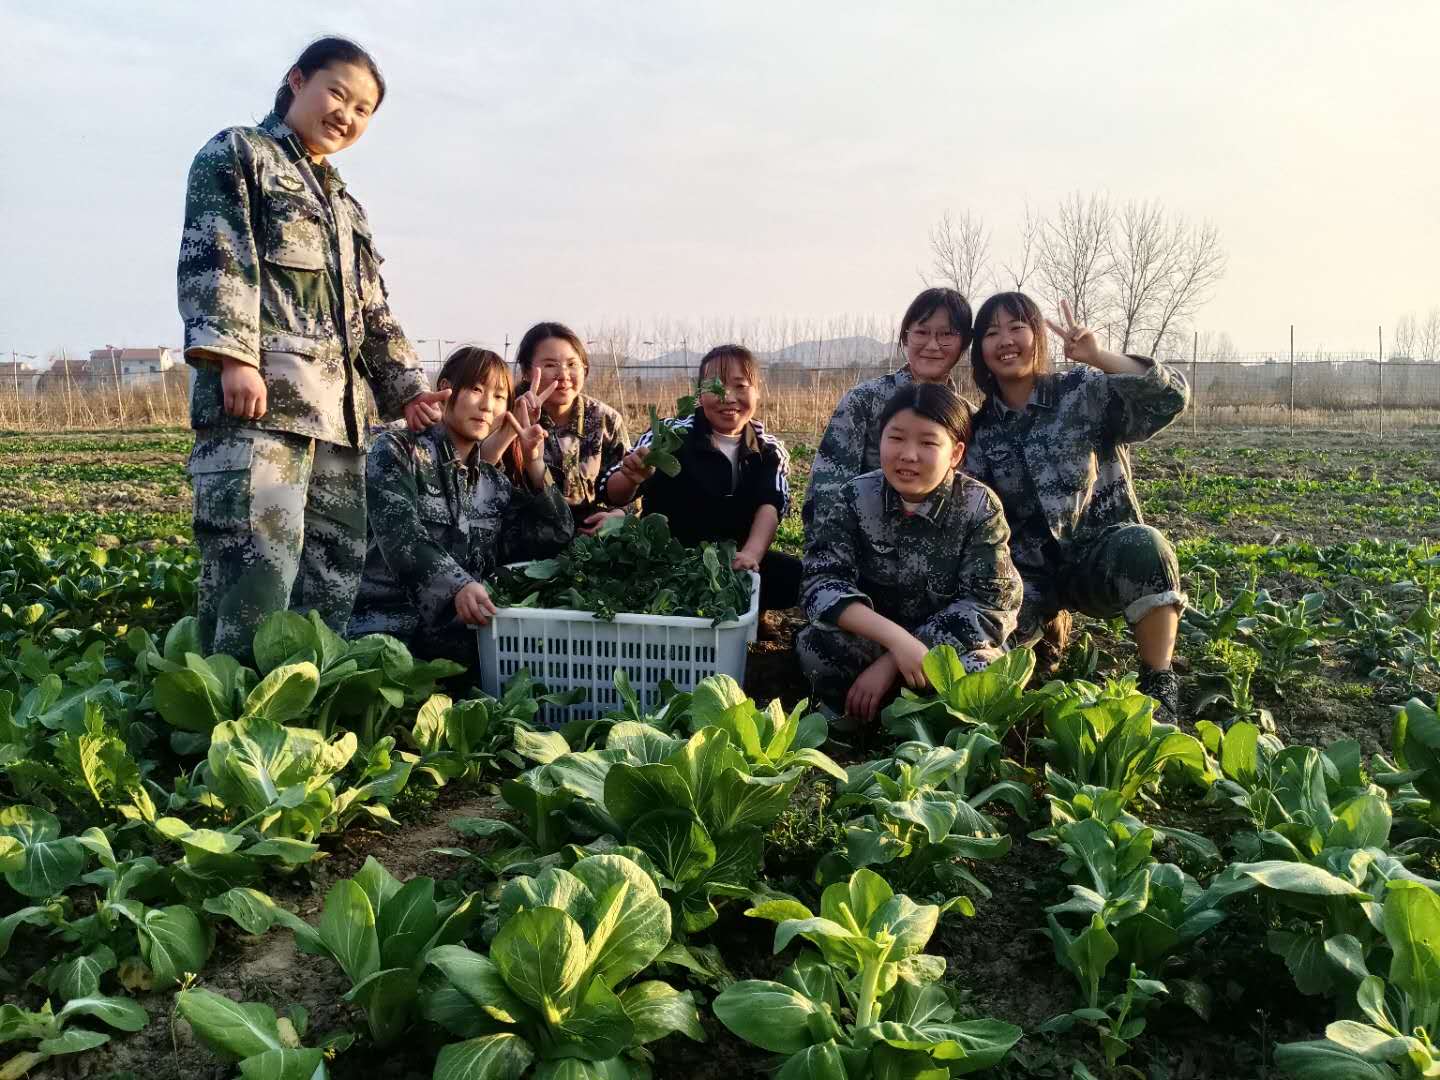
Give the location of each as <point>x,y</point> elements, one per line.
<point>584,438</point>
<point>1055,448</point>
<point>934,334</point>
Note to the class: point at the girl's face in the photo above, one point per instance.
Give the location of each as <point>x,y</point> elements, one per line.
<point>556,361</point>
<point>473,411</point>
<point>917,454</point>
<point>1008,347</point>
<point>730,414</point>
<point>932,347</point>
<point>332,108</point>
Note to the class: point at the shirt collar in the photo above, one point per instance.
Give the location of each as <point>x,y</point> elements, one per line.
<point>577,425</point>
<point>934,508</point>
<point>749,441</point>
<point>1042,396</point>
<point>285,135</point>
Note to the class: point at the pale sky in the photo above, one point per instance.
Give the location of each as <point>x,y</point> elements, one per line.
<point>597,162</point>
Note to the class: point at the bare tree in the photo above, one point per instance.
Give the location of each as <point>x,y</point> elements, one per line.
<point>1145,253</point>
<point>1402,340</point>
<point>1216,347</point>
<point>1427,339</point>
<point>1074,255</point>
<point>960,253</point>
<point>1021,270</point>
<point>1198,265</point>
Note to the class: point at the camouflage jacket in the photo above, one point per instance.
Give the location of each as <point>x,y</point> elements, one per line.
<point>583,450</point>
<point>435,524</point>
<point>278,269</point>
<point>1062,467</point>
<point>942,572</point>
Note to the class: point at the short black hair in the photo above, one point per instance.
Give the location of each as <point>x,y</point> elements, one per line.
<point>320,54</point>
<point>725,355</point>
<point>933,401</point>
<point>933,300</point>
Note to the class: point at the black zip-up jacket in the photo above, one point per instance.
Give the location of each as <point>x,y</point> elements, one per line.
<point>701,502</point>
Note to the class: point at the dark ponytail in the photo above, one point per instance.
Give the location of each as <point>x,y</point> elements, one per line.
<point>320,54</point>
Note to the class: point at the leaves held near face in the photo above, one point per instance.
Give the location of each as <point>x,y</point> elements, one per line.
<point>665,438</point>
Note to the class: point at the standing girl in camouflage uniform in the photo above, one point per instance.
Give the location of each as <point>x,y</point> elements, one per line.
<point>1055,447</point>
<point>902,559</point>
<point>584,438</point>
<point>284,311</point>
<point>934,333</point>
<point>442,516</point>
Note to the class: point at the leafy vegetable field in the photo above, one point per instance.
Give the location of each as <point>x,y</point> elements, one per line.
<point>343,862</point>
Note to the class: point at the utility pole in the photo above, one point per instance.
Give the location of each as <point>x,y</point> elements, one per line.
<point>1380,360</point>
<point>1292,377</point>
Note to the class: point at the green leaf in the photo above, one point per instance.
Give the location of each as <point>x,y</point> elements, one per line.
<point>1412,927</point>
<point>406,923</point>
<point>281,635</point>
<point>490,1057</point>
<point>231,1029</point>
<point>769,1015</point>
<point>249,909</point>
<point>388,998</point>
<point>631,791</point>
<point>676,840</point>
<point>289,1064</point>
<point>174,942</point>
<point>120,1013</point>
<point>541,956</point>
<point>1325,1060</point>
<point>632,921</point>
<point>657,1009</point>
<point>478,978</point>
<point>1301,878</point>
<point>79,977</point>
<point>284,694</point>
<point>347,927</point>
<point>185,700</point>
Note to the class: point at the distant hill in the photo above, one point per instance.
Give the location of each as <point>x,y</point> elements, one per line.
<point>859,351</point>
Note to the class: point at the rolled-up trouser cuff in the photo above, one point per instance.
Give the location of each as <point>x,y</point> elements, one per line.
<point>1146,604</point>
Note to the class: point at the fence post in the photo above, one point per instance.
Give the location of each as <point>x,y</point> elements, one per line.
<point>1380,361</point>
<point>1194,384</point>
<point>1292,377</point>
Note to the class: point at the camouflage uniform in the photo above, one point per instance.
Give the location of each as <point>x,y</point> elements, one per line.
<point>851,443</point>
<point>436,524</point>
<point>1062,469</point>
<point>278,270</point>
<point>943,572</point>
<point>581,451</point>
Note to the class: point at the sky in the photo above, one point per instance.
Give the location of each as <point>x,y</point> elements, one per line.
<point>682,164</point>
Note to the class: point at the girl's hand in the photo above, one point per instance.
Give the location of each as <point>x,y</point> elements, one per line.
<point>244,389</point>
<point>533,401</point>
<point>746,560</point>
<point>633,466</point>
<point>870,689</point>
<point>591,525</point>
<point>524,419</point>
<point>909,653</point>
<point>1080,342</point>
<point>425,409</point>
<point>473,605</point>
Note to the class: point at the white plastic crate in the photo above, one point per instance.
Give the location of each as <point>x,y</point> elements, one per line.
<point>566,649</point>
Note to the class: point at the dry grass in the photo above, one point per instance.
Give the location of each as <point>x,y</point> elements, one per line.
<point>792,401</point>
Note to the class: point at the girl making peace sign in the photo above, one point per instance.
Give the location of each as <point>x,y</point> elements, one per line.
<point>1055,448</point>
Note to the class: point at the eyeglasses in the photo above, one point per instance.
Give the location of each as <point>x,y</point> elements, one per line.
<point>919,336</point>
<point>554,369</point>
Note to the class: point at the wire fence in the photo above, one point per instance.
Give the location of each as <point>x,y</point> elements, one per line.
<point>1328,391</point>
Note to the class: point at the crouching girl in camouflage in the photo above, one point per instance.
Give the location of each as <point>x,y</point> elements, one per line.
<point>902,559</point>
<point>442,516</point>
<point>284,310</point>
<point>584,438</point>
<point>934,334</point>
<point>1055,449</point>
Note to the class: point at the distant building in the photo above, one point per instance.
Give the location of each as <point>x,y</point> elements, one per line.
<point>18,377</point>
<point>134,367</point>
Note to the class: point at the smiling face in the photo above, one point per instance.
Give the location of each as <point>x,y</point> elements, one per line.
<point>332,108</point>
<point>917,454</point>
<point>730,414</point>
<point>933,347</point>
<point>556,362</point>
<point>1008,347</point>
<point>473,411</point>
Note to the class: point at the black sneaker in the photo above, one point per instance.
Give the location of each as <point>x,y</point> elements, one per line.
<point>1164,687</point>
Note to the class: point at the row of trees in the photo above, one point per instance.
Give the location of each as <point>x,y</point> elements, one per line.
<point>1134,271</point>
<point>1414,339</point>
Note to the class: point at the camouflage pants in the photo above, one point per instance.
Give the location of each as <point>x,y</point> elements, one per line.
<point>280,522</point>
<point>1127,570</point>
<point>832,659</point>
